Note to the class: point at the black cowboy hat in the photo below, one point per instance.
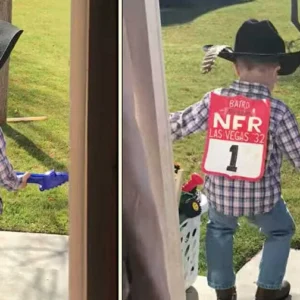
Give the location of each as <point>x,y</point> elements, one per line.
<point>258,39</point>
<point>9,35</point>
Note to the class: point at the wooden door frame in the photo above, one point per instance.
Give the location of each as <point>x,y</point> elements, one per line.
<point>93,138</point>
<point>78,155</point>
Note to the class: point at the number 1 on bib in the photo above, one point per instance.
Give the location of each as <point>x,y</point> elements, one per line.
<point>234,150</point>
<point>236,141</point>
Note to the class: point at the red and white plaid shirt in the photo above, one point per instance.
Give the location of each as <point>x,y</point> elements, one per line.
<point>237,197</point>
<point>8,177</point>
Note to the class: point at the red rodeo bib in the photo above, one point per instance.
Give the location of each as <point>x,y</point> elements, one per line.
<point>236,141</point>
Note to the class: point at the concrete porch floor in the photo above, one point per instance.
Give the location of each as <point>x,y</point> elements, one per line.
<point>33,266</point>
<point>246,278</point>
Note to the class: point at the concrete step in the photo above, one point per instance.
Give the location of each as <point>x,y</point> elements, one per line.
<point>33,266</point>
<point>33,284</point>
<point>246,278</point>
<point>200,290</point>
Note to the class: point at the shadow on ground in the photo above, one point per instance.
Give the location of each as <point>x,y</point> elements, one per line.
<point>192,294</point>
<point>32,149</point>
<point>30,95</point>
<point>39,272</point>
<point>175,14</point>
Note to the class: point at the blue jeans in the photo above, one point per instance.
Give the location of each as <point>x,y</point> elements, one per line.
<point>277,225</point>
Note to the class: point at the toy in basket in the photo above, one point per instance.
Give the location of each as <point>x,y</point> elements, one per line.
<point>193,204</point>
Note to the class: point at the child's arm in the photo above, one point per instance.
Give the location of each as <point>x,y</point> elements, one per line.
<point>190,120</point>
<point>288,138</point>
<point>8,178</point>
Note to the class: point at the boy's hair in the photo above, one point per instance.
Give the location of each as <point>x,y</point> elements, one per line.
<point>261,63</point>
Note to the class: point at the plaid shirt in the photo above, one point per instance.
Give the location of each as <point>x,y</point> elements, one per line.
<point>8,178</point>
<point>237,197</point>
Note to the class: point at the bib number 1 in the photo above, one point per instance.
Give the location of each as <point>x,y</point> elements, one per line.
<point>236,141</point>
<point>234,153</point>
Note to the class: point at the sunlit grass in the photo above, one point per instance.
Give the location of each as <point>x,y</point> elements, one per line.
<point>186,85</point>
<point>39,83</point>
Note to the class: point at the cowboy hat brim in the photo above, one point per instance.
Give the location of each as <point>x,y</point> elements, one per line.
<point>289,62</point>
<point>9,35</point>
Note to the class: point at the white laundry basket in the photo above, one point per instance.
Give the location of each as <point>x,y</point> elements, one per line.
<point>190,244</point>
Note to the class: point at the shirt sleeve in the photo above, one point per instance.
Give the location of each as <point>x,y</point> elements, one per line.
<point>190,120</point>
<point>8,177</point>
<point>288,138</point>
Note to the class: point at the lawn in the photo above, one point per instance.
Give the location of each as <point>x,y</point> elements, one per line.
<point>185,31</point>
<point>39,70</point>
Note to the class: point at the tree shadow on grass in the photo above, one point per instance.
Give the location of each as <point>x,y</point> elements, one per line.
<point>175,14</point>
<point>39,98</point>
<point>49,135</point>
<point>31,95</point>
<point>32,149</point>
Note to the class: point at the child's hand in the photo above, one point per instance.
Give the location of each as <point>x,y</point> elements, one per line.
<point>24,180</point>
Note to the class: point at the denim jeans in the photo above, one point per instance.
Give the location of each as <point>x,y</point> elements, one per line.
<point>277,225</point>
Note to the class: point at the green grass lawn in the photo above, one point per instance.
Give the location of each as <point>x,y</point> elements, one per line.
<point>39,83</point>
<point>182,43</point>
